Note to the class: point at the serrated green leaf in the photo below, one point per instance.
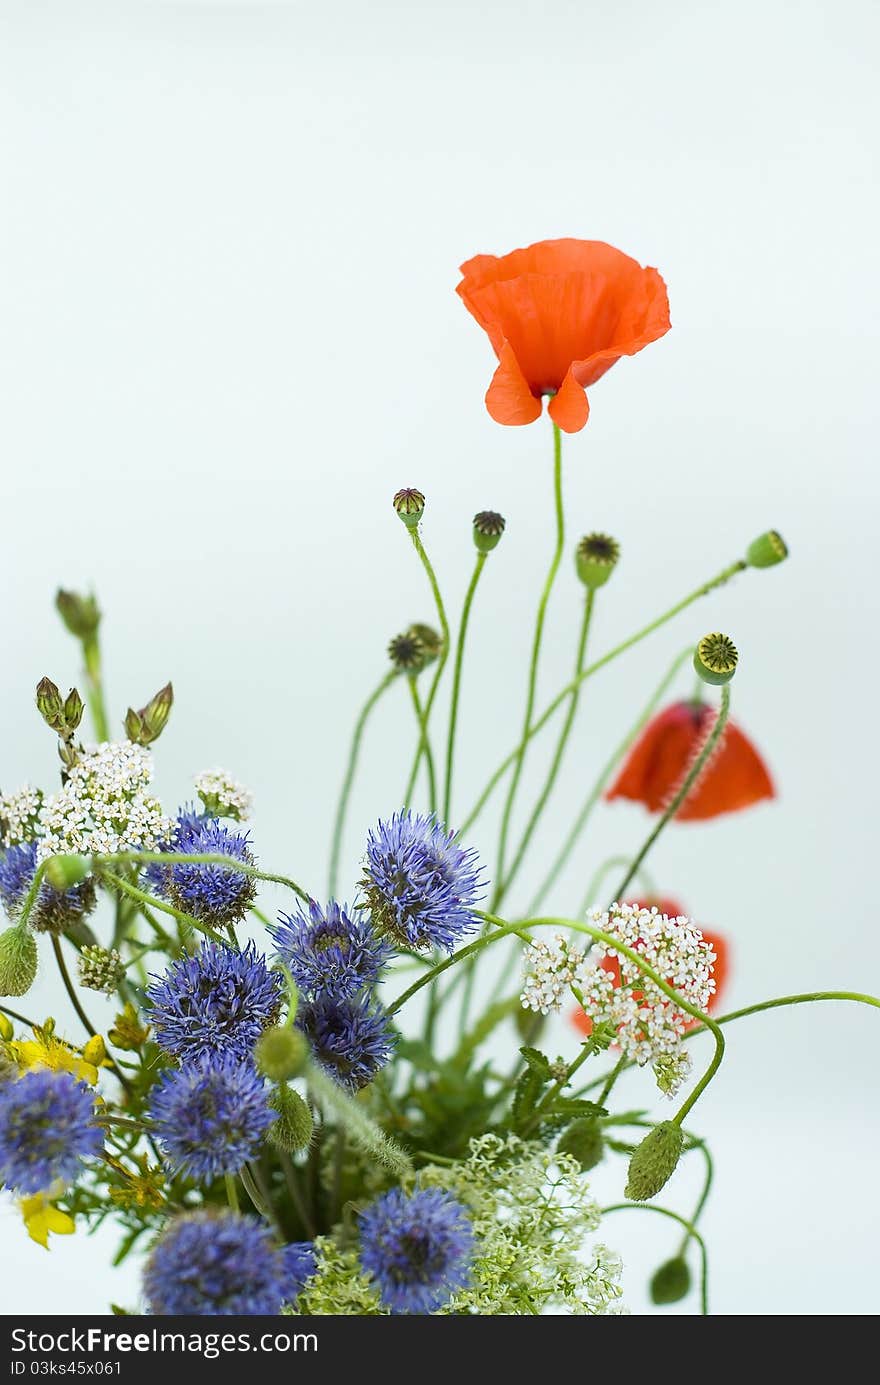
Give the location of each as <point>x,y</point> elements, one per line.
<point>537,1061</point>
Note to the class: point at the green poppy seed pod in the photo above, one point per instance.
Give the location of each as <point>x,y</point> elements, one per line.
<point>292,1131</point>
<point>654,1161</point>
<point>596,559</point>
<point>671,1282</point>
<point>281,1052</point>
<point>583,1140</point>
<point>50,704</point>
<point>767,550</point>
<point>63,872</point>
<point>488,528</point>
<point>410,506</point>
<point>430,639</point>
<point>715,659</point>
<point>18,961</point>
<point>407,653</point>
<point>79,613</point>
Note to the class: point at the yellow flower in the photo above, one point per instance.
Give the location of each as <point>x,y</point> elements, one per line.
<point>45,1051</point>
<point>42,1216</point>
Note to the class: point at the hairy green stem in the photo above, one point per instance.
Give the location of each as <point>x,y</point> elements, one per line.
<point>424,745</point>
<point>456,683</point>
<point>520,752</point>
<point>444,652</point>
<point>688,783</point>
<point>556,762</point>
<point>95,686</point>
<point>207,858</point>
<point>348,780</point>
<point>117,882</point>
<point>588,672</point>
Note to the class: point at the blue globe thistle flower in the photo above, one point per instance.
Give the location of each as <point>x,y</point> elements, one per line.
<point>211,1118</point>
<point>213,894</point>
<point>300,1262</point>
<point>418,1248</point>
<point>329,952</point>
<point>352,1039</point>
<point>53,910</point>
<point>217,1002</point>
<point>421,885</point>
<point>210,1263</point>
<point>47,1126</point>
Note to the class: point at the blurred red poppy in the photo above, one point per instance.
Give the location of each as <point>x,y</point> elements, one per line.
<point>734,778</point>
<point>673,909</point>
<point>559,314</point>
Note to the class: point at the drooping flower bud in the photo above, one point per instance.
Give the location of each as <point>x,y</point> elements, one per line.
<point>654,1161</point>
<point>18,961</point>
<point>767,550</point>
<point>671,1282</point>
<point>596,559</point>
<point>63,872</point>
<point>292,1131</point>
<point>715,659</point>
<point>583,1140</point>
<point>488,528</point>
<point>281,1052</point>
<point>79,613</point>
<point>101,969</point>
<point>147,725</point>
<point>407,653</point>
<point>410,506</point>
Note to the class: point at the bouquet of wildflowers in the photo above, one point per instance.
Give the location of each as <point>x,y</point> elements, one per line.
<point>298,1113</point>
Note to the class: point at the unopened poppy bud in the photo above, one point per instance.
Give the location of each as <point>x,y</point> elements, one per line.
<point>50,704</point>
<point>79,613</point>
<point>407,653</point>
<point>596,559</point>
<point>431,640</point>
<point>715,659</point>
<point>292,1131</point>
<point>767,550</point>
<point>488,528</point>
<point>281,1052</point>
<point>95,1051</point>
<point>410,506</point>
<point>63,872</point>
<point>654,1161</point>
<point>671,1281</point>
<point>18,961</point>
<point>147,725</point>
<point>583,1140</point>
<point>100,968</point>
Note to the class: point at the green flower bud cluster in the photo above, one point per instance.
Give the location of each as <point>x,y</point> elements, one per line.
<point>147,725</point>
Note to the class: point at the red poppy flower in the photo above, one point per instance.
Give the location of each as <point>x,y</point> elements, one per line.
<point>734,778</point>
<point>558,315</point>
<point>673,909</point>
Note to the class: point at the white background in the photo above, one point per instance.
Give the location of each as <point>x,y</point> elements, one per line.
<point>228,331</point>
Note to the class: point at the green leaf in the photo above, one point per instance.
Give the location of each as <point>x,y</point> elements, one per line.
<point>575,1106</point>
<point>525,1097</point>
<point>537,1061</point>
<point>417,1052</point>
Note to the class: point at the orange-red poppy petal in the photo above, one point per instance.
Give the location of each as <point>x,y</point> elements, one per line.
<point>508,398</point>
<point>569,408</point>
<point>735,778</point>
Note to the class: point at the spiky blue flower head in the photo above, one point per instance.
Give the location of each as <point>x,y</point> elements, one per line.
<point>300,1262</point>
<point>216,1003</point>
<point>329,952</point>
<point>47,1126</point>
<point>352,1039</point>
<point>212,893</point>
<point>421,885</point>
<point>211,1117</point>
<point>211,1263</point>
<point>418,1248</point>
<point>53,910</point>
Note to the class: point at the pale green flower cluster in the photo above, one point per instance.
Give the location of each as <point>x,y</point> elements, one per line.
<point>533,1219</point>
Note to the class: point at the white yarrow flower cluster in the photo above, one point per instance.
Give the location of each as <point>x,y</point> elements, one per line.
<point>19,812</point>
<point>222,795</point>
<point>552,967</point>
<point>104,807</point>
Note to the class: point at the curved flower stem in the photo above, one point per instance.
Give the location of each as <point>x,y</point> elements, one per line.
<point>456,683</point>
<point>95,686</point>
<point>588,672</point>
<point>561,744</point>
<point>692,1232</point>
<point>687,784</point>
<point>520,752</point>
<point>596,792</point>
<point>348,780</point>
<point>424,747</point>
<point>444,653</point>
<point>15,1015</point>
<point>83,1017</point>
<point>198,858</point>
<point>704,1195</point>
<point>118,883</point>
